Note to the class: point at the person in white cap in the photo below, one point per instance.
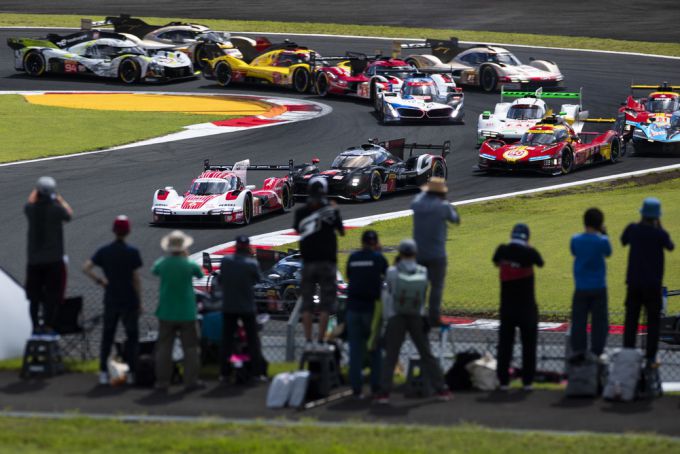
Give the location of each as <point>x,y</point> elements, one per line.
<point>46,211</point>
<point>177,310</point>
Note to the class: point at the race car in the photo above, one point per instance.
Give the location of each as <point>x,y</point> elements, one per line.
<point>98,53</point>
<point>553,147</point>
<point>285,64</point>
<point>199,42</point>
<point>422,97</point>
<point>370,170</point>
<point>361,76</point>
<point>657,107</point>
<point>221,195</point>
<point>485,66</point>
<point>510,120</point>
<point>657,136</point>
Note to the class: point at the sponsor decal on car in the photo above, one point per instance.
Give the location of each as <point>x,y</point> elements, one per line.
<point>515,154</point>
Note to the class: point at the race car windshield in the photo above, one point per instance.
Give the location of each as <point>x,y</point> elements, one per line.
<point>353,161</point>
<point>419,90</point>
<point>210,187</point>
<point>218,37</point>
<point>536,138</point>
<point>285,270</point>
<point>667,105</point>
<point>504,59</point>
<point>115,51</point>
<point>400,72</point>
<point>290,59</point>
<point>525,113</point>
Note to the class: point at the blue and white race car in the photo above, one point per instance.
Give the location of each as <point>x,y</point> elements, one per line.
<point>422,97</point>
<point>653,136</point>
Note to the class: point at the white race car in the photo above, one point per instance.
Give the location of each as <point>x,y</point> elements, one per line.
<point>485,66</point>
<point>422,97</point>
<point>510,120</point>
<point>220,195</point>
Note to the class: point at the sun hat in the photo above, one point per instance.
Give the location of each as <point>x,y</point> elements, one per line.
<point>651,208</point>
<point>46,185</point>
<point>520,232</point>
<point>436,185</point>
<point>176,241</point>
<point>121,225</point>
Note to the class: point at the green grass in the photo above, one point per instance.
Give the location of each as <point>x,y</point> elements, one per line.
<point>672,49</point>
<point>64,131</point>
<point>472,282</point>
<point>76,435</point>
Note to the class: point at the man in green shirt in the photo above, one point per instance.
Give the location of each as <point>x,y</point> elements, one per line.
<point>177,310</point>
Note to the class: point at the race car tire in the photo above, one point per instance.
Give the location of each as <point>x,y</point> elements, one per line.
<point>567,160</point>
<point>488,78</point>
<point>301,80</point>
<point>411,62</point>
<point>34,64</point>
<point>322,84</point>
<point>129,71</point>
<point>247,210</point>
<point>287,198</point>
<point>375,185</point>
<point>438,170</point>
<point>375,99</point>
<point>615,152</point>
<point>223,73</point>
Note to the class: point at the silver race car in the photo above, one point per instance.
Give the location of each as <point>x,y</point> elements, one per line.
<point>485,66</point>
<point>98,53</point>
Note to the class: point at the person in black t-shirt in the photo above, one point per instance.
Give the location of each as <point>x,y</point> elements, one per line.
<point>647,240</point>
<point>120,263</point>
<point>365,271</point>
<point>516,261</point>
<point>317,223</point>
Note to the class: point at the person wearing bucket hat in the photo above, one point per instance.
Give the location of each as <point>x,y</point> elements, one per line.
<point>239,272</point>
<point>176,310</point>
<point>518,309</point>
<point>644,278</point>
<point>120,263</point>
<point>46,212</point>
<point>431,215</point>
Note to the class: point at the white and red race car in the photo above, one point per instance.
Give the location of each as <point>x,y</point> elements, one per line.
<point>221,195</point>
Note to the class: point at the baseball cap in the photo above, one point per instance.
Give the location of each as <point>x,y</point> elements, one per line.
<point>651,208</point>
<point>121,225</point>
<point>318,186</point>
<point>46,185</point>
<point>520,232</point>
<point>242,243</point>
<point>408,247</point>
<point>370,237</point>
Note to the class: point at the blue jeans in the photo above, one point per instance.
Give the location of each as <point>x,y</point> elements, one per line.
<point>358,333</point>
<point>595,303</point>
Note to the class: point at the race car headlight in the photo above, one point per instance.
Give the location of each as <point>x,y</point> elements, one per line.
<point>215,212</point>
<point>355,181</point>
<point>332,76</point>
<point>392,112</point>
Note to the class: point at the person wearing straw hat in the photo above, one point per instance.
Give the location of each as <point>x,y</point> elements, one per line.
<point>647,241</point>
<point>176,310</point>
<point>431,215</point>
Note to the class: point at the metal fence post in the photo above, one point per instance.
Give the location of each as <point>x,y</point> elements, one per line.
<point>290,330</point>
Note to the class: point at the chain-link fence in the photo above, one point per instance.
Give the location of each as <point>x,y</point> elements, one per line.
<point>284,341</point>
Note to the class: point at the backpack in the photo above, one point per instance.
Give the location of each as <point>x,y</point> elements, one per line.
<point>409,291</point>
<point>624,374</point>
<point>145,373</point>
<point>583,376</point>
<point>483,373</point>
<point>280,390</point>
<point>458,378</point>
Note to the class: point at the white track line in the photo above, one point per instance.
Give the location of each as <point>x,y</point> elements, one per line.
<point>416,40</point>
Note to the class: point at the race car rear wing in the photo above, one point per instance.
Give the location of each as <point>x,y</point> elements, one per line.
<point>443,49</point>
<point>661,87</point>
<point>398,146</point>
<point>273,167</point>
<point>540,94</point>
<point>619,122</point>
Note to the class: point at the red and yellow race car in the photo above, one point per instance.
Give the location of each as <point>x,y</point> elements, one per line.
<point>552,147</point>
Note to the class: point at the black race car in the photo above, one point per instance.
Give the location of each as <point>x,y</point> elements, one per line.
<point>368,171</point>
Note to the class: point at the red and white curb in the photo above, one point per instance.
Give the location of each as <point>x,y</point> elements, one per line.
<point>295,110</point>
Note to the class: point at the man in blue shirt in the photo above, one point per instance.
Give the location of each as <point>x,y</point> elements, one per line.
<point>647,240</point>
<point>365,272</point>
<point>120,263</point>
<point>590,249</point>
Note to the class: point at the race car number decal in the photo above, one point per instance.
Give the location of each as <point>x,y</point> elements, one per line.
<point>70,66</point>
<point>515,154</point>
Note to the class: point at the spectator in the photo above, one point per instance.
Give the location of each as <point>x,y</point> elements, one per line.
<point>365,272</point>
<point>404,311</point>
<point>590,249</point>
<point>238,274</point>
<point>518,305</point>
<point>120,263</point>
<point>46,211</point>
<point>431,215</point>
<point>177,310</point>
<point>317,223</point>
<point>647,240</point>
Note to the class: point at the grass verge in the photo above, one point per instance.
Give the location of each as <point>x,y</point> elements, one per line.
<point>107,436</point>
<point>472,282</point>
<point>64,131</point>
<point>672,49</point>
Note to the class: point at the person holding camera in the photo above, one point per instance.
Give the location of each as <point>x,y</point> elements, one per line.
<point>647,241</point>
<point>46,212</point>
<point>590,249</point>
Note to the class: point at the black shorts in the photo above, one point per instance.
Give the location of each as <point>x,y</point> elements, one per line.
<point>319,278</point>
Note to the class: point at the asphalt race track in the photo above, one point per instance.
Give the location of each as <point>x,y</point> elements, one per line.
<point>618,19</point>
<point>103,185</point>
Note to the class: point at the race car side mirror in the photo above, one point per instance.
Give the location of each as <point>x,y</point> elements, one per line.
<point>316,161</point>
<point>207,263</point>
<point>486,115</point>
